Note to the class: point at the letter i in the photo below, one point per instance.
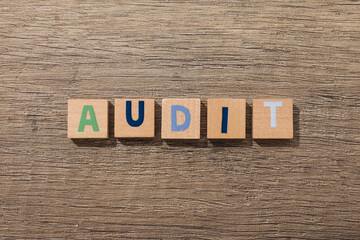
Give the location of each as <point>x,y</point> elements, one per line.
<point>224,121</point>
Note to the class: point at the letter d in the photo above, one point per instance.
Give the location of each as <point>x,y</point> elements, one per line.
<point>174,126</point>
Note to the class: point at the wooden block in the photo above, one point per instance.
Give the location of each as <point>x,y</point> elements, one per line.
<point>134,118</point>
<point>272,119</point>
<point>180,119</point>
<point>88,118</point>
<point>226,118</point>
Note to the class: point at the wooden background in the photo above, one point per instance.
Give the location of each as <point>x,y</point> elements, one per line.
<point>53,187</point>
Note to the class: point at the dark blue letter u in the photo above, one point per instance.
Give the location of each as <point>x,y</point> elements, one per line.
<point>140,119</point>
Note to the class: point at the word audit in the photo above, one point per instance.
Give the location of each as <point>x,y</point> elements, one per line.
<point>135,118</point>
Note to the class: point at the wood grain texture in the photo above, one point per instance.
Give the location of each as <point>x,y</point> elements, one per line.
<point>305,188</point>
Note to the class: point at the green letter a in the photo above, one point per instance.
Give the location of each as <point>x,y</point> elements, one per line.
<point>92,121</point>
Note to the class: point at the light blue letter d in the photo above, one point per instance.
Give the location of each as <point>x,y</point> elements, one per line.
<point>174,126</point>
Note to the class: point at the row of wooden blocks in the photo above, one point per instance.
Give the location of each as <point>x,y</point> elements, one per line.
<point>226,118</point>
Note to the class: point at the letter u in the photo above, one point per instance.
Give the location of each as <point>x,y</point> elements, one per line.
<point>129,119</point>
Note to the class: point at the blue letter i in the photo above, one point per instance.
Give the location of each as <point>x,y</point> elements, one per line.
<point>224,122</point>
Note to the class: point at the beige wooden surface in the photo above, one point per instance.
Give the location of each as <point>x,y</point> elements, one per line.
<point>193,130</point>
<point>122,128</point>
<point>78,114</point>
<point>262,119</point>
<point>53,187</point>
<point>235,118</point>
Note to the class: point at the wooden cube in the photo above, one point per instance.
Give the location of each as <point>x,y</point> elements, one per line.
<point>180,119</point>
<point>88,118</point>
<point>226,118</point>
<point>272,119</point>
<point>134,118</point>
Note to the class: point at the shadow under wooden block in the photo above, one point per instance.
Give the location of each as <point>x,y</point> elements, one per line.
<point>106,142</point>
<point>203,121</point>
<point>195,143</point>
<point>295,142</point>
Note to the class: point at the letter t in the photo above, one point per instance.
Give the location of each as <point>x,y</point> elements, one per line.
<point>273,106</point>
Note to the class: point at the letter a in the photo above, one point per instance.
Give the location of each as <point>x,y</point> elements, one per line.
<point>92,121</point>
